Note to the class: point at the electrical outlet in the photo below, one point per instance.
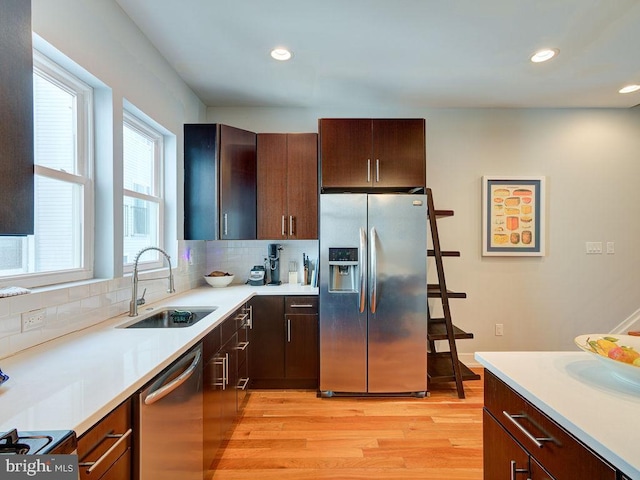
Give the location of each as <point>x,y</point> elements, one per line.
<point>33,319</point>
<point>499,329</point>
<point>610,248</point>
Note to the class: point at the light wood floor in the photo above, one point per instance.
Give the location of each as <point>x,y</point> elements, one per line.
<point>295,435</point>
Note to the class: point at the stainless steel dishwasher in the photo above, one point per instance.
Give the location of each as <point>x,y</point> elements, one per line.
<point>169,440</point>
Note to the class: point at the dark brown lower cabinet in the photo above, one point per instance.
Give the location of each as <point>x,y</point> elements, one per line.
<point>521,442</point>
<point>284,342</point>
<point>226,352</point>
<point>104,452</point>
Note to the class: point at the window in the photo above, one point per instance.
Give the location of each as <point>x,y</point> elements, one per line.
<point>143,191</point>
<point>61,245</point>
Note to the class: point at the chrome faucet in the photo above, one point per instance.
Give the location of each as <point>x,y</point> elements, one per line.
<point>135,301</point>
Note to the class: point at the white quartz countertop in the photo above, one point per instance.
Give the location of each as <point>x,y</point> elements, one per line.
<point>581,395</point>
<point>73,381</point>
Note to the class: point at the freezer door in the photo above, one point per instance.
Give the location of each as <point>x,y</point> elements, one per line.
<point>343,327</point>
<point>397,356</point>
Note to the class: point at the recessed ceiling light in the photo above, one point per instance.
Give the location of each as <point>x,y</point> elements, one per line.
<point>281,54</point>
<point>629,89</point>
<point>544,55</point>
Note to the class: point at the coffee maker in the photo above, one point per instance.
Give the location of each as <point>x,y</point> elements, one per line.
<point>273,263</point>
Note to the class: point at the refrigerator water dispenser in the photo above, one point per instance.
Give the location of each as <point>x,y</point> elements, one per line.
<point>343,270</point>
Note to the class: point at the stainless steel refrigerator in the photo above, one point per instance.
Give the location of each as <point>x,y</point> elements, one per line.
<point>373,294</point>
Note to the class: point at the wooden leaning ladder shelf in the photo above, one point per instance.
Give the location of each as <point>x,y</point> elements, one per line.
<point>444,366</point>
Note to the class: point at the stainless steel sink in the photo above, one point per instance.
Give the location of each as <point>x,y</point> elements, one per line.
<point>176,317</point>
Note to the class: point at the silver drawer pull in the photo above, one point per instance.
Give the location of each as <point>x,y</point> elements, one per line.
<point>242,383</point>
<point>536,440</point>
<point>121,438</point>
<point>515,470</point>
<point>301,305</point>
<point>242,345</point>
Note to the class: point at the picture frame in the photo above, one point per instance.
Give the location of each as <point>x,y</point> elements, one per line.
<point>513,216</point>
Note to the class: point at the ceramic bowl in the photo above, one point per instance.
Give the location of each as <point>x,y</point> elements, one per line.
<point>219,282</point>
<point>623,371</point>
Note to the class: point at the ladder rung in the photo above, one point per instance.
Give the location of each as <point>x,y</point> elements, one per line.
<point>437,330</point>
<point>433,291</point>
<point>443,253</point>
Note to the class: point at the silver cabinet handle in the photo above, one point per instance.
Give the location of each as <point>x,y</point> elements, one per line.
<point>226,370</point>
<point>219,362</point>
<point>368,170</point>
<point>536,440</point>
<point>250,319</point>
<point>284,232</point>
<point>291,232</point>
<point>361,267</point>
<point>225,218</point>
<point>121,438</point>
<point>374,272</point>
<point>165,390</point>
<point>242,383</point>
<point>377,170</point>
<point>301,305</point>
<point>515,470</point>
<point>242,346</point>
<point>289,330</point>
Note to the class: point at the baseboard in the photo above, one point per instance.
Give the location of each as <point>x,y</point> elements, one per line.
<point>469,360</point>
<point>631,323</point>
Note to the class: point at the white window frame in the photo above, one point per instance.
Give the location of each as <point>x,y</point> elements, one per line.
<point>56,74</point>
<point>157,196</point>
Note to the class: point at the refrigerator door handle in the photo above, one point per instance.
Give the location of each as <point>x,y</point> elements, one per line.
<point>374,272</point>
<point>361,265</point>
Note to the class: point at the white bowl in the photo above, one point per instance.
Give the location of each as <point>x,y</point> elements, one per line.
<point>219,282</point>
<point>623,371</point>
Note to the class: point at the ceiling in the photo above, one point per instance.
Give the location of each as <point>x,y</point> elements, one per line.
<point>404,53</point>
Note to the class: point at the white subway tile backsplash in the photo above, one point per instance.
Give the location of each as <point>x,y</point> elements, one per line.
<point>10,325</point>
<point>74,307</point>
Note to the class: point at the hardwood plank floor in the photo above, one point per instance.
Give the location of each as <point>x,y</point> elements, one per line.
<point>287,434</point>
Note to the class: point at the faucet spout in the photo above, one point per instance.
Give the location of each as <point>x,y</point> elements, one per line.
<point>135,301</point>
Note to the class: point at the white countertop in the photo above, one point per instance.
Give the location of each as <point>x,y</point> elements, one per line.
<point>73,381</point>
<point>581,395</point>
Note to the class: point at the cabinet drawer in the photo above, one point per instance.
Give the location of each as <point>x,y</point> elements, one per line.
<point>301,305</point>
<point>561,454</point>
<point>233,323</point>
<point>243,346</point>
<point>106,442</point>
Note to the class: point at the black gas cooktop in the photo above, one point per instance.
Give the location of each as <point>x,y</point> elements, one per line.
<point>32,443</point>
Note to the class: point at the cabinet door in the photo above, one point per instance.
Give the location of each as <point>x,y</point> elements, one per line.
<point>237,184</point>
<point>228,404</point>
<point>267,341</point>
<point>16,119</point>
<point>272,186</point>
<point>399,157</point>
<point>345,152</point>
<point>201,173</point>
<point>504,458</point>
<point>301,347</point>
<point>213,373</point>
<point>302,185</point>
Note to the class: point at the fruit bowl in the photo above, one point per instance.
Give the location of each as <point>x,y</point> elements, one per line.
<point>221,281</point>
<point>627,372</point>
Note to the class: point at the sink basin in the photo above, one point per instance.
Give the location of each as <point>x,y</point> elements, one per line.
<point>172,318</point>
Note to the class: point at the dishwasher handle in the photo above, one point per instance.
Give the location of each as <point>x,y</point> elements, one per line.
<point>159,393</point>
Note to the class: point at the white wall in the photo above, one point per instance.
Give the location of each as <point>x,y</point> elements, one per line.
<point>591,160</point>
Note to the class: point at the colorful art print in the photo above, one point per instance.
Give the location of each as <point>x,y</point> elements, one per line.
<point>513,216</point>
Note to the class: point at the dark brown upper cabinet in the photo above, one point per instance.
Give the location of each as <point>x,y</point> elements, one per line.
<point>287,186</point>
<point>370,154</point>
<point>219,183</point>
<point>16,119</point>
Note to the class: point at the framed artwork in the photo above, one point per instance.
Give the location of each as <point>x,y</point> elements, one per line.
<point>513,220</point>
